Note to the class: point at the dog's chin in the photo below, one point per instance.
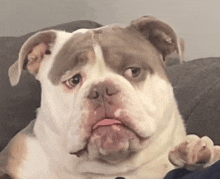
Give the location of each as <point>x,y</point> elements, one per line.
<point>110,141</point>
<point>113,143</point>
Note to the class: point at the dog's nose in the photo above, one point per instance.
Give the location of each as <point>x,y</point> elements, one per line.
<point>102,90</point>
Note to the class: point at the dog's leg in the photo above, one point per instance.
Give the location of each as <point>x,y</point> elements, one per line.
<point>195,152</point>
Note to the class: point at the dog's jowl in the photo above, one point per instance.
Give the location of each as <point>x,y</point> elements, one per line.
<point>107,107</point>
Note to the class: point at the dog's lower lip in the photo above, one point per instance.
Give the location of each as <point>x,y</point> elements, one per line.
<point>106,122</point>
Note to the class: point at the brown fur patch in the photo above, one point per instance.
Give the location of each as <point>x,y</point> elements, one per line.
<point>13,154</point>
<point>125,47</point>
<point>73,54</point>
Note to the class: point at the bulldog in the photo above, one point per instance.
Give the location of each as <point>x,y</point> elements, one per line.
<point>107,107</point>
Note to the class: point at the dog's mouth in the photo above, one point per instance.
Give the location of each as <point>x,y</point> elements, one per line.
<point>106,122</point>
<point>103,122</point>
<point>111,141</point>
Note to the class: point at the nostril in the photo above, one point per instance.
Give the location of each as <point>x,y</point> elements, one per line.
<point>111,91</point>
<point>102,90</point>
<point>93,94</point>
<point>96,94</point>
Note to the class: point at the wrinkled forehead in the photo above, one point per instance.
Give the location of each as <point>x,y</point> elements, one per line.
<point>121,48</point>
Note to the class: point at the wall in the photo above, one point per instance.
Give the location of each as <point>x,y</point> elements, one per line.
<point>197,21</point>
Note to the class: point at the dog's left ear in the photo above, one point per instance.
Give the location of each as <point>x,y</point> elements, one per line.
<point>160,35</point>
<point>31,54</point>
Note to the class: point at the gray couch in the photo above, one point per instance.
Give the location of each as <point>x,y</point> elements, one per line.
<point>196,85</point>
<point>197,89</point>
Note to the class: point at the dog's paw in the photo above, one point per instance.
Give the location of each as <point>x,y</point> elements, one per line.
<point>193,153</point>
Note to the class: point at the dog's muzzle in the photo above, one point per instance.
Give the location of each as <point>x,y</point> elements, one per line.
<point>111,139</point>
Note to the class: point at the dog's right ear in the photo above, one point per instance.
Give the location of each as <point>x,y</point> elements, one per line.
<point>160,34</point>
<point>31,54</point>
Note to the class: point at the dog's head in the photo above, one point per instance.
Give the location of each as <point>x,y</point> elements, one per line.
<point>105,91</point>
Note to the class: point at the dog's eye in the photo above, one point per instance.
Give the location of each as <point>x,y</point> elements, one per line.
<point>132,72</point>
<point>72,82</point>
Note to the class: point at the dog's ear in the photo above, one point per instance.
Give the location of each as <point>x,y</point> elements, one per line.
<point>31,54</point>
<point>160,35</point>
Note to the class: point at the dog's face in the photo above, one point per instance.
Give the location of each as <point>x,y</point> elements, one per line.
<point>105,92</point>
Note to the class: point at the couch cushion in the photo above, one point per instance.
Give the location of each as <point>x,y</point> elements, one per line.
<point>197,89</point>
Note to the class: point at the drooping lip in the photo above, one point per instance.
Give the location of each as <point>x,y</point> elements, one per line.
<point>102,123</point>
<point>106,122</point>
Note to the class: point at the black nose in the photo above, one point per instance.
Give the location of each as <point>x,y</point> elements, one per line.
<point>102,90</point>
<point>119,178</point>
